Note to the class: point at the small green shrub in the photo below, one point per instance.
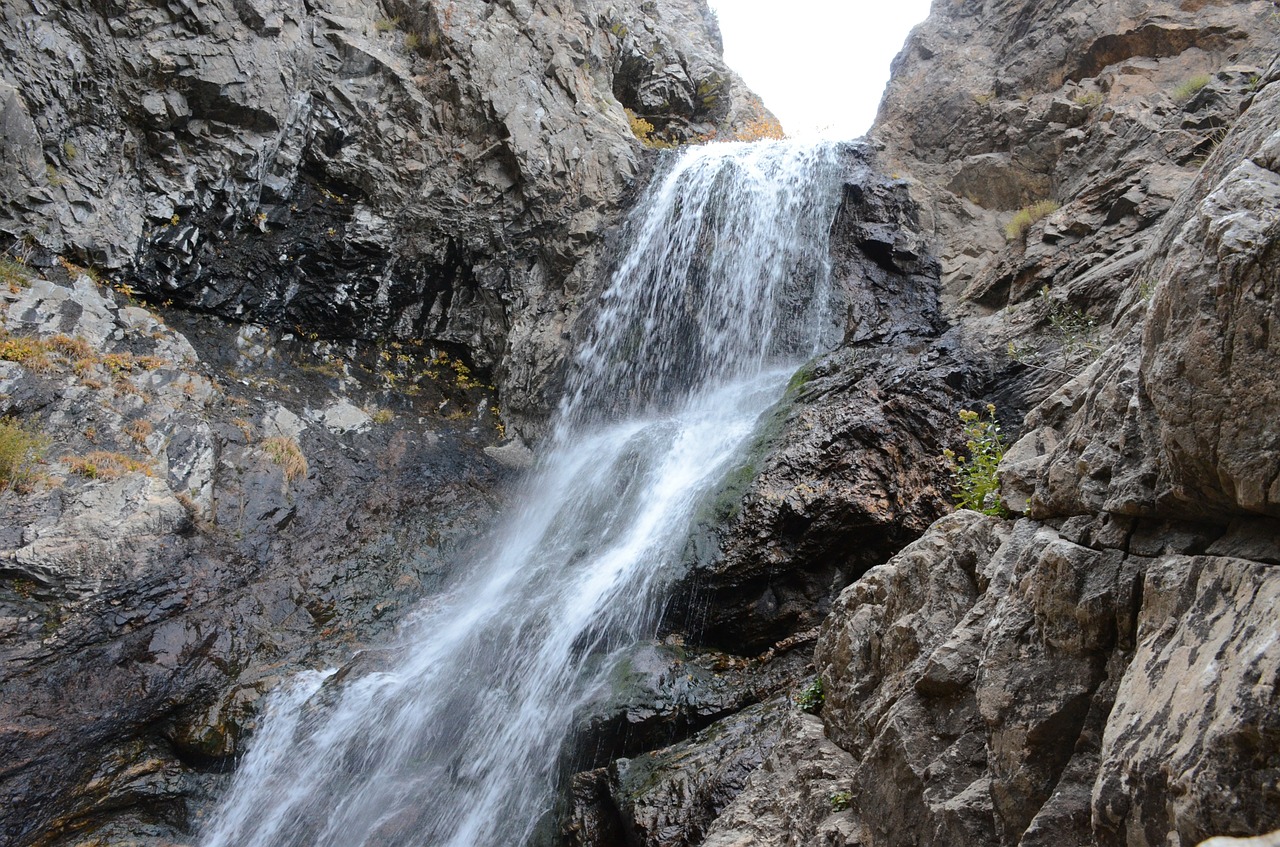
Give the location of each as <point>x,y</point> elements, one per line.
<point>973,478</point>
<point>1023,218</point>
<point>14,274</point>
<point>811,697</point>
<point>1075,330</point>
<point>841,800</point>
<point>1089,99</point>
<point>21,449</point>
<point>386,24</point>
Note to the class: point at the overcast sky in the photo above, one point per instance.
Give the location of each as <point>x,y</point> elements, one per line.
<point>820,65</point>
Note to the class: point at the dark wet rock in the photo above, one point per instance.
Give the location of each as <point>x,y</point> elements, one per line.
<point>855,471</point>
<point>172,565</point>
<point>663,692</point>
<point>849,467</point>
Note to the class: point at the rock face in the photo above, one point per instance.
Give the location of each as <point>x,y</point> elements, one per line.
<point>1102,666</point>
<point>442,171</point>
<point>405,209</point>
<point>189,540</point>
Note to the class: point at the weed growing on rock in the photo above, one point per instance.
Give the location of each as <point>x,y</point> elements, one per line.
<point>286,453</point>
<point>1075,330</point>
<point>138,429</point>
<point>101,464</point>
<point>841,800</point>
<point>14,274</point>
<point>974,482</point>
<point>644,130</point>
<point>1023,218</point>
<point>382,416</point>
<point>811,697</point>
<point>1190,88</point>
<point>1088,99</point>
<point>21,449</point>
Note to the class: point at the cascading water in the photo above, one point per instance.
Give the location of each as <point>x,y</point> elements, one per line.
<point>455,738</point>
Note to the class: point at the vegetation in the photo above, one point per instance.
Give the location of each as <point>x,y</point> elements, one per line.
<point>47,355</point>
<point>286,453</point>
<point>975,484</point>
<point>1023,218</point>
<point>1190,87</point>
<point>1089,99</point>
<point>138,429</point>
<point>21,449</point>
<point>811,697</point>
<point>1075,330</point>
<point>382,416</point>
<point>841,800</point>
<point>14,274</point>
<point>101,464</point>
<point>644,130</point>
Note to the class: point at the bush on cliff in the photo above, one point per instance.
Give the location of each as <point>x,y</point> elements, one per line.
<point>974,482</point>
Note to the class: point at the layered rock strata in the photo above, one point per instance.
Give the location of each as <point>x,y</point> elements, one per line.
<point>445,171</point>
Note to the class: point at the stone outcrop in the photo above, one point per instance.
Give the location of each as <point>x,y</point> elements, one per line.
<point>445,171</point>
<point>1100,667</point>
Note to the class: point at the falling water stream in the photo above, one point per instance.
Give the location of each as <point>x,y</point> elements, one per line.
<point>454,737</point>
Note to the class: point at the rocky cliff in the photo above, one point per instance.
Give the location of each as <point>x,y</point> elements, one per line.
<point>288,272</point>
<point>1100,183</point>
<point>275,276</point>
<point>445,172</point>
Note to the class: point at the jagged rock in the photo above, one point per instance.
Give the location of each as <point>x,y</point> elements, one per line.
<point>1037,694</point>
<point>1176,420</point>
<point>850,465</point>
<point>795,798</point>
<point>662,693</point>
<point>667,798</point>
<point>170,567</point>
<point>441,171</point>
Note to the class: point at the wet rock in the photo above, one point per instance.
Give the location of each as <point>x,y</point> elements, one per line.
<point>176,558</point>
<point>849,467</point>
<point>664,692</point>
<point>667,798</point>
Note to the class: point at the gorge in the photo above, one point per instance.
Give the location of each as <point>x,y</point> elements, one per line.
<point>291,291</point>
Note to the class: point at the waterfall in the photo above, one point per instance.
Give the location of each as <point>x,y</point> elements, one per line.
<point>453,736</point>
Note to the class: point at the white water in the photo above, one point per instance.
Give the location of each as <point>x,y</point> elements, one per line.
<point>456,737</point>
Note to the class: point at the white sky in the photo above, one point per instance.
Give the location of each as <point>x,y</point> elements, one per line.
<point>819,65</point>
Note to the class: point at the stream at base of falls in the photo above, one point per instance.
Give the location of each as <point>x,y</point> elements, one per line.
<point>453,735</point>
